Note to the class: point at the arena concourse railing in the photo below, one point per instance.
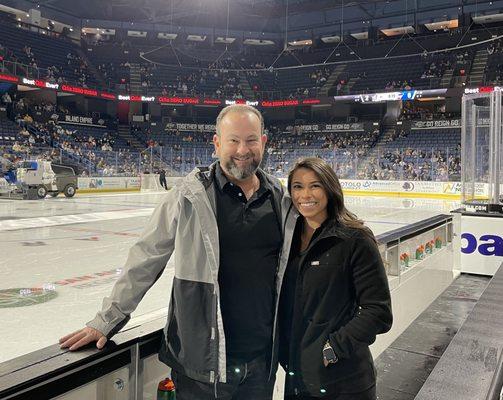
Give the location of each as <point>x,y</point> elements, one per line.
<point>19,69</point>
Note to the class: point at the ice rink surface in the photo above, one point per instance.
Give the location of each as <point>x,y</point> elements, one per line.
<point>61,256</point>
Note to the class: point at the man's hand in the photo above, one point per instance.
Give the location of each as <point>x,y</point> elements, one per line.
<point>80,338</point>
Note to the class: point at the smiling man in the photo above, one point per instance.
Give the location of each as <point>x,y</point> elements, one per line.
<point>226,227</point>
<point>239,144</point>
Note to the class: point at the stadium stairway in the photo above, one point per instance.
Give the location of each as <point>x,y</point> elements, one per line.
<point>124,132</point>
<point>386,136</point>
<point>135,78</point>
<point>445,82</point>
<point>352,81</point>
<point>245,87</point>
<point>332,79</point>
<point>96,75</point>
<point>478,67</point>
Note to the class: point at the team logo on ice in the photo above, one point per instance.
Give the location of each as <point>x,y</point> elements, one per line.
<point>22,297</point>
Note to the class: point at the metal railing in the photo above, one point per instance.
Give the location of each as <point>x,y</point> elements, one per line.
<point>434,163</point>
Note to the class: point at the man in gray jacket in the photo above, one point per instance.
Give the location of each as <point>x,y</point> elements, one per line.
<point>227,228</point>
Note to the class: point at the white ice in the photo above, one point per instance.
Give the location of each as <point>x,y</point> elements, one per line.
<point>49,241</point>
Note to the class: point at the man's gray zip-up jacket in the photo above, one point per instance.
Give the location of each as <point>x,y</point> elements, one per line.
<point>185,221</point>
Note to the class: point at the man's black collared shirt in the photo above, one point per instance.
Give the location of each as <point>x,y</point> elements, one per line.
<point>250,241</point>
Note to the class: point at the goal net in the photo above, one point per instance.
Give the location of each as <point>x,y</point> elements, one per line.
<point>150,183</point>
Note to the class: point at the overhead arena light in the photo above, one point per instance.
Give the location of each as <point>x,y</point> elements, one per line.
<point>431,98</point>
<point>226,40</point>
<point>98,31</point>
<point>23,88</point>
<point>258,42</point>
<point>401,30</point>
<point>360,35</point>
<point>451,24</point>
<point>331,39</point>
<point>487,19</point>
<point>141,34</point>
<point>167,36</point>
<point>196,38</point>
<point>300,43</point>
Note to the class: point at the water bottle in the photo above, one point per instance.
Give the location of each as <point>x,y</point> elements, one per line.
<point>166,390</point>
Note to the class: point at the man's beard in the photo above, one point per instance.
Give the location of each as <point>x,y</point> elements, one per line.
<point>241,173</point>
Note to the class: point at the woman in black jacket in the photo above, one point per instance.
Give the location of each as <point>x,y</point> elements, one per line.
<point>335,297</point>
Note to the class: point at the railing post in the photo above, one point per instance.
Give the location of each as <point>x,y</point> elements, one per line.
<point>151,158</point>
<point>136,374</point>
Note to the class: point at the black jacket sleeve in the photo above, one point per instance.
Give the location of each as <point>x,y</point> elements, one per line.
<point>373,299</point>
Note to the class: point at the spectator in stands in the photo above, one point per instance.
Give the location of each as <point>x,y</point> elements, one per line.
<point>233,187</point>
<point>28,120</point>
<point>17,148</point>
<point>326,332</point>
<point>7,102</point>
<point>24,132</point>
<point>6,99</point>
<point>19,105</point>
<point>106,147</point>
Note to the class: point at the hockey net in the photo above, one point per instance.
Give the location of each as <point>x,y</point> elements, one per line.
<point>150,183</point>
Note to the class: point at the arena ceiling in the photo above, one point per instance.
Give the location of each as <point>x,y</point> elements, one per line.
<point>178,11</point>
<point>254,15</point>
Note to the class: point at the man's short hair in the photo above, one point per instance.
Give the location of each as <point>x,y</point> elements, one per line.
<point>239,108</point>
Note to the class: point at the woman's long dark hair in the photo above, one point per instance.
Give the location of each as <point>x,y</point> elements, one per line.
<point>336,209</point>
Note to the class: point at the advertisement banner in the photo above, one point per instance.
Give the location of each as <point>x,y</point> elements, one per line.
<point>373,186</point>
<point>109,183</point>
<point>355,126</point>
<point>481,244</point>
<point>423,187</point>
<point>447,123</point>
<point>190,127</point>
<point>80,120</point>
<point>481,189</point>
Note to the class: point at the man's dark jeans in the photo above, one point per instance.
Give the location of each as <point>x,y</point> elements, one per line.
<point>244,382</point>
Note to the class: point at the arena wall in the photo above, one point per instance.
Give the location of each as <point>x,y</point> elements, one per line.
<point>417,189</point>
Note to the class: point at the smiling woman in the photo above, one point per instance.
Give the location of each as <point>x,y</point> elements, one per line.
<point>310,198</point>
<point>335,297</point>
<point>321,177</point>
